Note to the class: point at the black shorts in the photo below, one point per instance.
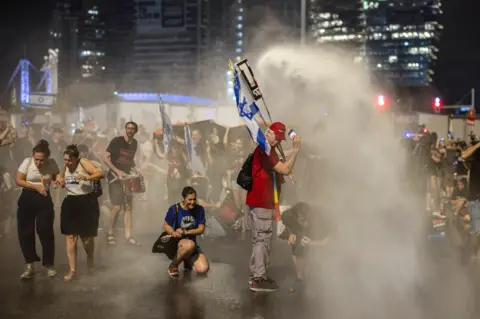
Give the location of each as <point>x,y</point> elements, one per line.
<point>192,258</point>
<point>80,215</point>
<point>117,194</point>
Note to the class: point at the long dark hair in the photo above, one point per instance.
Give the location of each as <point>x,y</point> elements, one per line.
<point>72,151</point>
<point>42,147</point>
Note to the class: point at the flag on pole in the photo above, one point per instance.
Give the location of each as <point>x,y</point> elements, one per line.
<point>166,127</point>
<point>188,144</point>
<point>247,109</point>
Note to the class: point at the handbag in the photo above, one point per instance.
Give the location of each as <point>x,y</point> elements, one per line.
<point>96,185</point>
<point>167,244</point>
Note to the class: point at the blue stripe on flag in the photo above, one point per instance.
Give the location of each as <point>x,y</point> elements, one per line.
<point>247,109</point>
<point>188,143</point>
<point>166,128</point>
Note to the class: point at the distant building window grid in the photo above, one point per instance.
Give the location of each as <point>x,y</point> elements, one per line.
<point>402,40</point>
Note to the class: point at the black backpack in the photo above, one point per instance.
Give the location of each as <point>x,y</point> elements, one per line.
<point>245,178</point>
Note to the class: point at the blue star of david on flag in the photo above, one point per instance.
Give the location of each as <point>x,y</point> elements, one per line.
<point>247,109</point>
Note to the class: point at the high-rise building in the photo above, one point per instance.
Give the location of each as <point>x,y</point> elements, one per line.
<point>78,32</point>
<point>120,21</point>
<point>92,36</point>
<point>268,22</point>
<point>225,25</point>
<point>337,23</point>
<point>170,39</point>
<point>396,39</point>
<point>64,37</point>
<point>401,39</point>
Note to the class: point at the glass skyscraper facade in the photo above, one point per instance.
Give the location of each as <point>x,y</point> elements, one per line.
<point>401,37</point>
<point>396,39</point>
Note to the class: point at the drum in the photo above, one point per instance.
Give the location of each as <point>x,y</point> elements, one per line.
<point>133,184</point>
<point>228,213</point>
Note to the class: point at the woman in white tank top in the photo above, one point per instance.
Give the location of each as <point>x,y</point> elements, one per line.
<point>80,210</point>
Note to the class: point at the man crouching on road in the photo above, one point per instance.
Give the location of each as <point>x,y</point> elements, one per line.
<point>261,203</point>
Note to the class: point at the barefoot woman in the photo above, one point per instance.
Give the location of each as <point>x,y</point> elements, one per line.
<point>80,210</point>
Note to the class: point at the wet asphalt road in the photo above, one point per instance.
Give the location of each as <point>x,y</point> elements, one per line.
<point>131,282</point>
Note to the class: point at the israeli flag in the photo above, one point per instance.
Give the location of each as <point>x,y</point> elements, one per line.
<point>247,109</point>
<point>166,128</point>
<point>188,144</point>
<point>41,100</point>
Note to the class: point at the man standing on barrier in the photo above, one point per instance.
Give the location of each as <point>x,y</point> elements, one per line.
<point>260,200</point>
<point>119,157</point>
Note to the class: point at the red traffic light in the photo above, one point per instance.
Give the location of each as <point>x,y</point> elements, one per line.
<point>381,102</point>
<point>437,104</point>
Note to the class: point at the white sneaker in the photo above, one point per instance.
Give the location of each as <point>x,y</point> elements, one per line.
<point>51,272</point>
<point>28,273</point>
<point>438,215</point>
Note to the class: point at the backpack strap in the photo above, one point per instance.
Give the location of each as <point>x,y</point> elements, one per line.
<point>176,217</point>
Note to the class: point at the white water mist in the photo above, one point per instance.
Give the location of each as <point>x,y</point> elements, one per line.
<point>376,265</point>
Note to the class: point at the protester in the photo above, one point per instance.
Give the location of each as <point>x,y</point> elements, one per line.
<point>119,157</point>
<point>80,210</point>
<point>260,200</point>
<point>35,208</point>
<point>186,221</point>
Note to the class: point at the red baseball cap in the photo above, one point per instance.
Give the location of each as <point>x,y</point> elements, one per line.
<point>279,130</point>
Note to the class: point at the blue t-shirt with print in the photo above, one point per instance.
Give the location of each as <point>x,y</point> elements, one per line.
<point>187,219</point>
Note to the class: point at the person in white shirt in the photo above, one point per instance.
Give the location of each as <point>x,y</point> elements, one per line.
<point>35,208</point>
<point>80,209</point>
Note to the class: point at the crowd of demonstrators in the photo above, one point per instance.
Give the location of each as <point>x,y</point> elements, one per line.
<point>453,193</point>
<point>209,162</point>
<point>216,157</point>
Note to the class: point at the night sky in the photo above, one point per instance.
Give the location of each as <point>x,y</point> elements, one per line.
<point>24,32</point>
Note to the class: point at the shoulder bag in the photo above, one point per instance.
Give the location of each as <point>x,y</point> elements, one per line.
<point>167,244</point>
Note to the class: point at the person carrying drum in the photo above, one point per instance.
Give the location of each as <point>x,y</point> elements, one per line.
<point>119,157</point>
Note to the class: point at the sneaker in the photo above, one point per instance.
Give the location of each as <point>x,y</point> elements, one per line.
<point>51,272</point>
<point>173,271</point>
<point>28,273</point>
<point>439,215</point>
<point>250,279</point>
<point>263,285</point>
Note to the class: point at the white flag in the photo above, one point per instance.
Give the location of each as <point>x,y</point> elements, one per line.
<point>41,99</point>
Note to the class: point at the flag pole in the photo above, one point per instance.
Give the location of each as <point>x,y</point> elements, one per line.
<point>262,98</point>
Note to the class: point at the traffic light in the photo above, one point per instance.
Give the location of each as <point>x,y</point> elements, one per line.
<point>437,104</point>
<point>381,102</point>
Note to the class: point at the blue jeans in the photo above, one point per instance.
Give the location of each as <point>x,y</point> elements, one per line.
<point>474,210</point>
